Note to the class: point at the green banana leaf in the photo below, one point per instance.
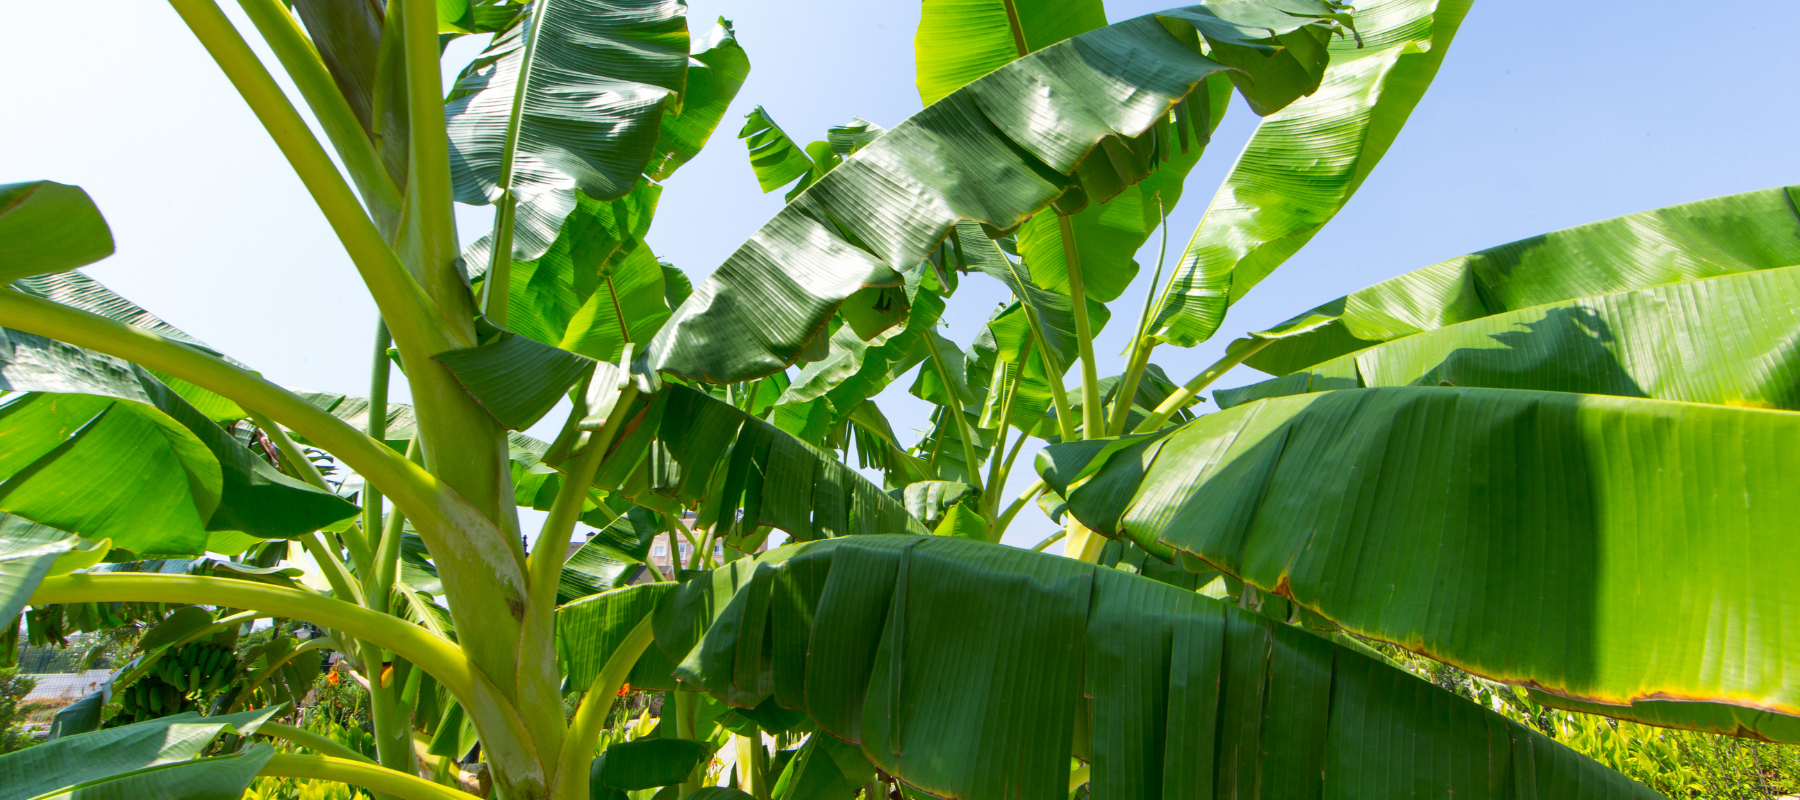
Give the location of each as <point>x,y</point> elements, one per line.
<point>1727,340</point>
<point>683,448</point>
<point>959,40</point>
<point>76,290</point>
<point>1107,235</point>
<point>1167,693</point>
<point>982,153</point>
<point>28,553</point>
<point>826,768</point>
<point>1720,236</point>
<point>46,227</point>
<point>648,763</point>
<point>595,79</point>
<point>149,759</point>
<point>775,158</point>
<point>929,501</point>
<point>1305,161</point>
<point>715,74</point>
<point>99,447</point>
<point>588,630</point>
<point>610,557</point>
<point>1540,538</point>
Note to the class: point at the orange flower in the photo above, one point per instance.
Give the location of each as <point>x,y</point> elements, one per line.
<point>331,677</point>
<point>623,690</point>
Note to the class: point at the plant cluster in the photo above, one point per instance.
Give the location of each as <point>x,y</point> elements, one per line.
<point>1560,463</point>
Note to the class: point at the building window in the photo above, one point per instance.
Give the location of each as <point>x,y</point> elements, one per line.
<point>661,551</point>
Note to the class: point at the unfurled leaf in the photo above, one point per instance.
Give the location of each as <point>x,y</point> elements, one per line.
<point>48,227</point>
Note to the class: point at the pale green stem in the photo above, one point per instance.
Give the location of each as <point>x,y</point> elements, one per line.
<point>392,724</point>
<point>380,368</point>
<point>1006,517</point>
<point>357,773</point>
<point>1235,354</point>
<point>1141,342</point>
<point>311,741</point>
<point>302,63</point>
<point>408,484</point>
<point>496,287</point>
<point>686,719</point>
<point>401,300</point>
<point>336,573</point>
<point>378,583</point>
<point>1093,414</point>
<point>1049,540</point>
<point>753,765</point>
<point>428,170</point>
<point>548,553</point>
<point>1000,463</point>
<point>955,411</point>
<point>590,717</point>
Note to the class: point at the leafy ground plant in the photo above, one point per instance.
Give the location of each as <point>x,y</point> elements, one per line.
<point>1504,462</point>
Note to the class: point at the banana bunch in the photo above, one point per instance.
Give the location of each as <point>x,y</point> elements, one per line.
<point>52,624</point>
<point>178,682</point>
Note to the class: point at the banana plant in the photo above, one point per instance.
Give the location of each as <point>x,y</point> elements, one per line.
<point>1051,147</point>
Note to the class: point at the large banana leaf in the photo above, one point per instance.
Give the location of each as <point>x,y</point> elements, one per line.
<point>996,151</point>
<point>1305,162</point>
<point>1720,236</point>
<point>569,99</point>
<point>961,40</point>
<point>100,447</point>
<point>77,290</point>
<point>1728,340</point>
<point>149,759</point>
<point>928,651</point>
<point>1607,549</point>
<point>1107,235</point>
<point>48,227</point>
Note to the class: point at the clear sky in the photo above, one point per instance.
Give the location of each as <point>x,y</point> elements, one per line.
<point>1546,114</point>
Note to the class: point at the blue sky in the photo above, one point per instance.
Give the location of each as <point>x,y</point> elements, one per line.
<point>1545,115</point>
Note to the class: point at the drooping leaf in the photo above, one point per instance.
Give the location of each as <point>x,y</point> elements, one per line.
<point>874,638</point>
<point>1694,342</point>
<point>99,447</point>
<point>608,559</point>
<point>48,227</point>
<point>648,763</point>
<point>1720,236</point>
<point>929,501</point>
<point>123,763</point>
<point>519,380</point>
<point>588,630</point>
<point>826,768</point>
<point>961,40</point>
<point>711,84</point>
<point>1107,235</point>
<point>1531,537</point>
<point>984,153</point>
<point>1305,161</point>
<point>595,77</point>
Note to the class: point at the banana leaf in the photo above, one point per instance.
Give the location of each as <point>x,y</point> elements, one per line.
<point>1595,547</point>
<point>1304,162</point>
<point>959,41</point>
<point>1167,693</point>
<point>715,74</point>
<point>982,153</point>
<point>100,447</point>
<point>149,759</point>
<point>595,77</point>
<point>1709,238</point>
<point>1726,340</point>
<point>48,227</point>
